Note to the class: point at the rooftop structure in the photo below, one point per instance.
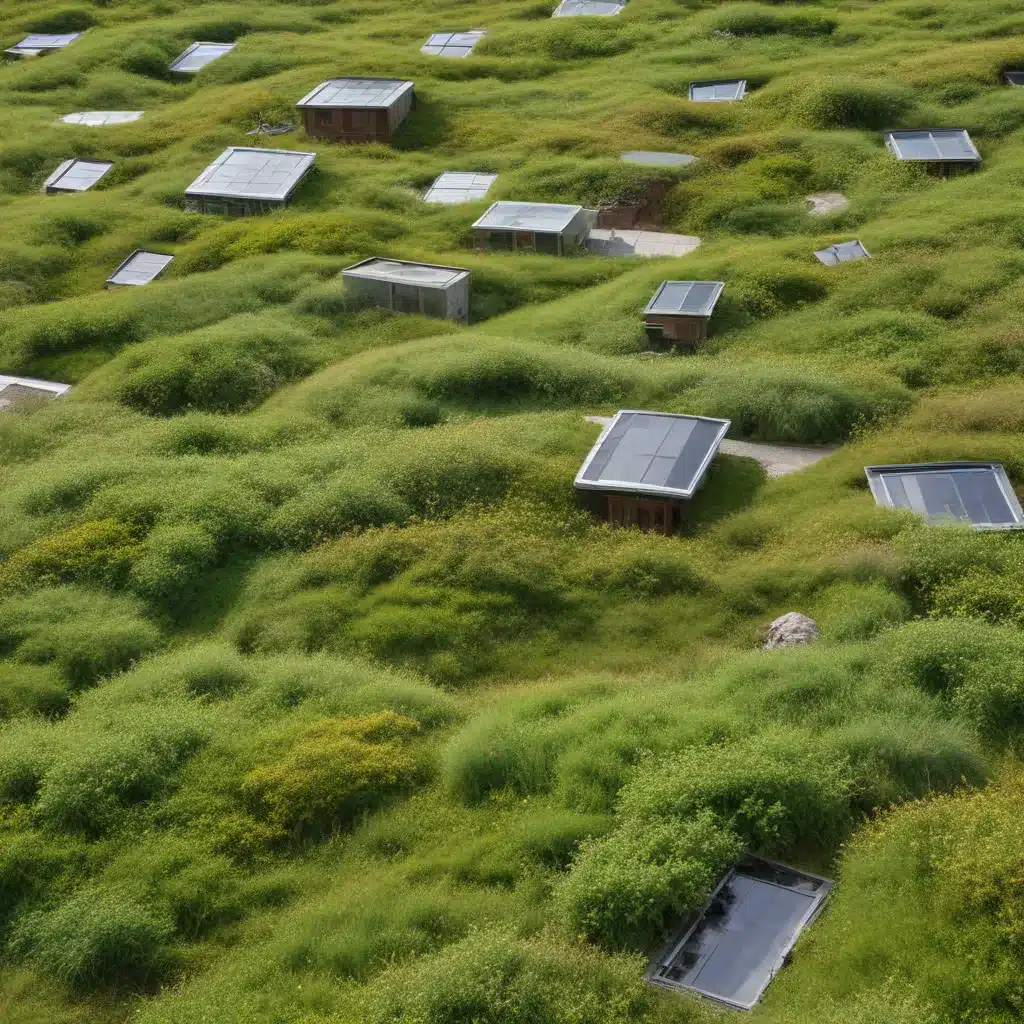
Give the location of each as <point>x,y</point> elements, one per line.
<point>76,175</point>
<point>943,151</point>
<point>98,118</point>
<point>627,242</point>
<point>553,228</point>
<point>592,8</point>
<point>718,92</point>
<point>406,287</point>
<point>529,216</point>
<point>975,493</point>
<point>742,937</point>
<point>198,55</point>
<point>14,390</point>
<point>243,180</point>
<point>357,109</point>
<point>459,187</point>
<point>679,311</point>
<point>40,43</point>
<point>140,268</point>
<point>842,252</point>
<point>453,44</point>
<point>649,159</point>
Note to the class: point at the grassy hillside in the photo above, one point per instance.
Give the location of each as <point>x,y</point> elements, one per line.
<point>320,700</point>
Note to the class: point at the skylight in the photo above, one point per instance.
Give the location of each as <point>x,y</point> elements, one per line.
<point>946,145</point>
<point>718,92</point>
<point>452,44</point>
<point>686,298</point>
<point>425,275</point>
<point>584,8</point>
<point>76,175</point>
<point>841,253</point>
<point>459,187</point>
<point>198,55</point>
<point>37,43</point>
<point>650,159</point>
<point>140,268</point>
<point>528,216</point>
<point>16,389</point>
<point>358,93</point>
<point>242,173</point>
<point>97,118</point>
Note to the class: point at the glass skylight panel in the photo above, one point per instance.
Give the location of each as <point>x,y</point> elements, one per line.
<point>15,389</point>
<point>426,275</point>
<point>742,937</point>
<point>978,493</point>
<point>359,93</point>
<point>140,268</point>
<point>687,298</point>
<point>842,253</point>
<point>718,92</point>
<point>1014,77</point>
<point>97,118</point>
<point>581,8</point>
<point>241,173</point>
<point>76,175</point>
<point>198,55</point>
<point>649,159</point>
<point>453,44</point>
<point>948,144</point>
<point>528,216</point>
<point>652,453</point>
<point>38,43</point>
<point>459,187</point>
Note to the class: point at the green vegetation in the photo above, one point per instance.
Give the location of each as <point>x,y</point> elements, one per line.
<point>320,699</point>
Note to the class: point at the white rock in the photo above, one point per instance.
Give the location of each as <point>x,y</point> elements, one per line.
<point>791,628</point>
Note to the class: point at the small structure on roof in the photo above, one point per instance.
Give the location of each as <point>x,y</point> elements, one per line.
<point>726,91</point>
<point>198,55</point>
<point>76,175</point>
<point>357,109</point>
<point>15,390</point>
<point>554,228</point>
<point>140,268</point>
<point>98,118</point>
<point>650,159</point>
<point>1014,77</point>
<point>587,8</point>
<point>743,935</point>
<point>453,44</point>
<point>679,311</point>
<point>645,465</point>
<point>975,493</point>
<point>245,181</point>
<point>842,252</point>
<point>406,287</point>
<point>615,242</point>
<point>944,151</point>
<point>459,187</point>
<point>40,43</point>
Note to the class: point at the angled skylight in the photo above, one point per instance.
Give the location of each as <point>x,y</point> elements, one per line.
<point>242,173</point>
<point>358,93</point>
<point>686,298</point>
<point>951,145</point>
<point>76,175</point>
<point>741,939</point>
<point>656,453</point>
<point>505,216</point>
<point>582,8</point>
<point>140,268</point>
<point>97,118</point>
<point>17,389</point>
<point>424,275</point>
<point>978,493</point>
<point>841,253</point>
<point>1014,77</point>
<point>453,44</point>
<point>459,187</point>
<point>198,55</point>
<point>649,159</point>
<point>718,92</point>
<point>37,43</point>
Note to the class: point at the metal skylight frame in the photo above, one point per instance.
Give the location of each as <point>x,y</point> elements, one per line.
<point>935,137</point>
<point>142,264</point>
<point>454,187</point>
<point>842,252</point>
<point>453,44</point>
<point>191,62</point>
<point>41,42</point>
<point>99,118</point>
<point>356,93</point>
<point>658,305</point>
<point>213,184</point>
<point>506,215</point>
<point>76,175</point>
<point>708,92</point>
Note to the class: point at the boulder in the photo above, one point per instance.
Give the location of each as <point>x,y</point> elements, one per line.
<point>789,629</point>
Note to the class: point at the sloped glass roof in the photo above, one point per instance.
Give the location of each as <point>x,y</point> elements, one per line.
<point>459,187</point>
<point>655,453</point>
<point>426,275</point>
<point>689,298</point>
<point>952,144</point>
<point>510,216</point>
<point>95,118</point>
<point>593,8</point>
<point>76,175</point>
<point>841,253</point>
<point>978,493</point>
<point>741,939</point>
<point>718,92</point>
<point>453,44</point>
<point>38,42</point>
<point>140,268</point>
<point>649,159</point>
<point>361,93</point>
<point>243,173</point>
<point>198,55</point>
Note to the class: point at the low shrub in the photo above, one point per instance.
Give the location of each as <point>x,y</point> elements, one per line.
<point>757,20</point>
<point>839,103</point>
<point>174,560</point>
<point>31,690</point>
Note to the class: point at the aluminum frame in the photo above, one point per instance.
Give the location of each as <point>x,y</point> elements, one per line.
<point>893,137</point>
<point>706,311</point>
<point>125,264</point>
<point>740,90</point>
<point>842,252</point>
<point>221,48</point>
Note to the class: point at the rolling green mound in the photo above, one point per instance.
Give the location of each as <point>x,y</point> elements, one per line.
<point>322,701</point>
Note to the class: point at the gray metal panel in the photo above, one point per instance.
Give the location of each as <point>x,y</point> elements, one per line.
<point>718,92</point>
<point>946,144</point>
<point>76,175</point>
<point>663,454</point>
<point>649,159</point>
<point>688,298</point>
<point>140,268</point>
<point>198,55</point>
<point>978,493</point>
<point>584,8</point>
<point>842,252</point>
<point>243,173</point>
<point>423,275</point>
<point>96,118</point>
<point>453,44</point>
<point>528,216</point>
<point>358,93</point>
<point>459,187</point>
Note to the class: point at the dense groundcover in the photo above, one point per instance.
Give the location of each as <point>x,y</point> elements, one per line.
<point>321,702</point>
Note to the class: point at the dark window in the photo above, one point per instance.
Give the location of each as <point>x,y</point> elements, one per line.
<point>499,239</point>
<point>323,118</point>
<point>360,120</point>
<point>546,243</point>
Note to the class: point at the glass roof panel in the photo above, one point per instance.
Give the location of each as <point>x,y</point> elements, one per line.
<point>243,173</point>
<point>691,298</point>
<point>718,92</point>
<point>77,175</point>
<point>102,117</point>
<point>43,41</point>
<point>424,274</point>
<point>198,55</point>
<point>361,93</point>
<point>841,253</point>
<point>582,8</point>
<point>453,44</point>
<point>140,268</point>
<point>459,187</point>
<point>946,144</point>
<point>528,216</point>
<point>640,156</point>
